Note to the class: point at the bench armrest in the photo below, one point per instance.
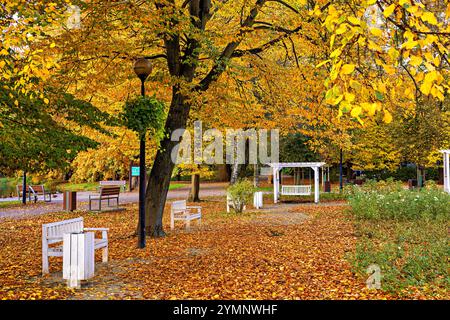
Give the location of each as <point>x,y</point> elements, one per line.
<point>54,238</point>
<point>96,229</point>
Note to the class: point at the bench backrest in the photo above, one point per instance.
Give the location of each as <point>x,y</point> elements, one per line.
<point>20,188</point>
<point>178,205</point>
<point>109,191</point>
<point>38,189</point>
<point>58,229</point>
<point>296,190</point>
<point>113,183</point>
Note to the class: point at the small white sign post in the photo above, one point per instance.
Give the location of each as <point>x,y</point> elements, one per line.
<point>78,258</point>
<point>446,170</point>
<point>258,199</point>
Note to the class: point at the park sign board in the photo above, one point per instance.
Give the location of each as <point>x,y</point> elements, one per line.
<point>135,171</point>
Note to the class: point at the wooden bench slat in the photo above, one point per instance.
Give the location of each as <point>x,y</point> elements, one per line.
<point>296,190</point>
<point>113,183</point>
<point>36,190</point>
<point>106,193</point>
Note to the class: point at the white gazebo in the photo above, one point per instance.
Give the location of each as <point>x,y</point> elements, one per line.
<point>294,190</point>
<point>446,170</point>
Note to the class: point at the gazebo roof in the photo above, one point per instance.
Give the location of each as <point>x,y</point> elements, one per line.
<point>297,164</point>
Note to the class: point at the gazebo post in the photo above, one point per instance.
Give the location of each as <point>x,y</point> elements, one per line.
<point>275,184</point>
<point>323,183</point>
<point>316,184</point>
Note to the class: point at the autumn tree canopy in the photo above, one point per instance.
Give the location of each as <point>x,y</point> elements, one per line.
<point>336,71</point>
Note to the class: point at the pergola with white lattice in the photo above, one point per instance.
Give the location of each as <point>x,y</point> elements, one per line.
<point>295,189</point>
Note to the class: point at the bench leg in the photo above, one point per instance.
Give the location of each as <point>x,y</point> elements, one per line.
<point>105,254</point>
<point>90,208</point>
<point>44,258</point>
<point>199,211</point>
<point>188,225</point>
<point>172,222</point>
<point>105,249</point>
<point>44,264</point>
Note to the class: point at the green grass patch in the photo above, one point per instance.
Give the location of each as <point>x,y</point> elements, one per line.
<point>409,253</point>
<point>405,233</point>
<point>265,189</point>
<point>93,186</point>
<point>173,186</point>
<point>9,204</point>
<point>324,196</point>
<point>85,186</point>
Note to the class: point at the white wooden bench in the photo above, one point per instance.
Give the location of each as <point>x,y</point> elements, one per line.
<point>296,190</point>
<point>180,211</point>
<point>121,183</point>
<point>52,233</point>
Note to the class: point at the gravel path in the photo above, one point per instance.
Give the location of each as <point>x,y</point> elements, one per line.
<point>215,189</point>
<point>206,190</point>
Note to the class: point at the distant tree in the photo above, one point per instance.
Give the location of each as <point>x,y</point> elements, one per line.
<point>40,134</point>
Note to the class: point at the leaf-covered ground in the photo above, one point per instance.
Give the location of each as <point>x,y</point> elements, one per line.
<point>297,252</point>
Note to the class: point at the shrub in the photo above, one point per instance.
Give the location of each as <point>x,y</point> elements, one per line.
<point>241,193</point>
<point>389,200</point>
<point>8,186</point>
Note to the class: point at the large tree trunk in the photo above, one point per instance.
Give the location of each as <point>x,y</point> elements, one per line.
<point>420,172</point>
<point>223,173</point>
<point>255,176</point>
<point>195,188</point>
<point>182,64</point>
<point>158,183</point>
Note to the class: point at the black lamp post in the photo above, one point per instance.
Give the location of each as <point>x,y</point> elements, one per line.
<point>142,68</point>
<point>24,187</point>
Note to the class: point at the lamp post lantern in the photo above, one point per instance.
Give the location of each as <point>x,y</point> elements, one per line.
<point>142,68</point>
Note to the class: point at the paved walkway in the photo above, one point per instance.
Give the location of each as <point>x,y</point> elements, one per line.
<point>206,190</point>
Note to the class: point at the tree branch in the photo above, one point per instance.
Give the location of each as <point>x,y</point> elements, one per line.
<point>227,53</point>
<point>172,44</point>
<point>286,5</point>
<point>240,53</point>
